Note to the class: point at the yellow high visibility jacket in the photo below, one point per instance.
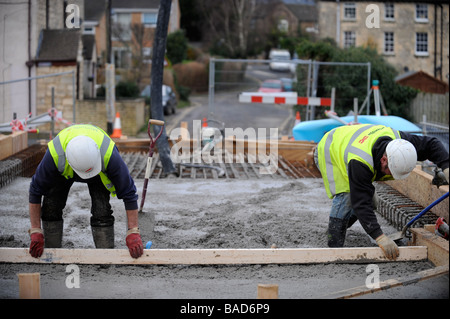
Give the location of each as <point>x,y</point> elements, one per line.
<point>343,144</point>
<point>57,148</point>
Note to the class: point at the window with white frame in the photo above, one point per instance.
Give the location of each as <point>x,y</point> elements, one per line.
<point>122,57</point>
<point>349,39</point>
<point>147,55</point>
<point>421,43</point>
<point>389,42</point>
<point>389,11</point>
<point>121,29</point>
<point>88,30</point>
<point>349,11</point>
<point>150,19</point>
<point>283,25</point>
<point>421,12</point>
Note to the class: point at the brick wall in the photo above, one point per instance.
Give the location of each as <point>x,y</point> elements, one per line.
<point>62,84</point>
<point>132,114</point>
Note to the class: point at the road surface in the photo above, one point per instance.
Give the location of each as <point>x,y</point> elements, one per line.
<point>233,114</point>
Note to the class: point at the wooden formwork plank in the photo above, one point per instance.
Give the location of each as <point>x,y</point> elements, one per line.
<point>212,256</point>
<point>267,291</point>
<point>390,283</point>
<point>438,247</point>
<point>5,146</point>
<point>13,143</point>
<point>29,285</point>
<point>286,167</point>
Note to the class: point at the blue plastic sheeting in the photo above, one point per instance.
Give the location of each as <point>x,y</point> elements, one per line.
<point>313,131</point>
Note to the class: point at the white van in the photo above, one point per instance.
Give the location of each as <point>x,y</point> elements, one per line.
<point>280,60</point>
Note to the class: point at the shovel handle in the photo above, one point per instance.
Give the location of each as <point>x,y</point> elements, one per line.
<point>156,122</point>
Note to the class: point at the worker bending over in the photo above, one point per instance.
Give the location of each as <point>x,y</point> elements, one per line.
<point>351,157</point>
<point>82,153</point>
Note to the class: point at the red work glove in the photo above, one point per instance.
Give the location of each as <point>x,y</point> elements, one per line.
<point>37,242</point>
<point>134,243</point>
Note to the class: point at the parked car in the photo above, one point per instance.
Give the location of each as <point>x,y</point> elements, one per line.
<point>287,84</point>
<point>271,86</point>
<point>169,99</point>
<point>281,59</point>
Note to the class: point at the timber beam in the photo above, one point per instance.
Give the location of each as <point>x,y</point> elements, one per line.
<point>391,283</point>
<point>212,256</point>
<point>438,247</point>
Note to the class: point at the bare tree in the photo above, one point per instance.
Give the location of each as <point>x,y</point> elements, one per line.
<point>138,40</point>
<point>229,22</point>
<point>232,23</point>
<point>133,37</point>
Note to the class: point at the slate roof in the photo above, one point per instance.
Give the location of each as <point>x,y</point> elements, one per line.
<point>58,45</point>
<point>135,4</point>
<point>304,13</point>
<point>93,10</point>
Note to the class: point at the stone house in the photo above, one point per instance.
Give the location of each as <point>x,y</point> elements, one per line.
<point>411,35</point>
<point>133,24</point>
<point>59,51</point>
<point>27,38</point>
<point>294,19</point>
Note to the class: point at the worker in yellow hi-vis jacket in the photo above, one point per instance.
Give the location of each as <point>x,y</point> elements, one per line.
<point>351,157</point>
<point>82,153</point>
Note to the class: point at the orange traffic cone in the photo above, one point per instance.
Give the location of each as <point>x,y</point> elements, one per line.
<point>205,122</point>
<point>298,119</point>
<point>117,132</point>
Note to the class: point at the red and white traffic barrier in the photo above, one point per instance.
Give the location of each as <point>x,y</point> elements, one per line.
<point>290,98</point>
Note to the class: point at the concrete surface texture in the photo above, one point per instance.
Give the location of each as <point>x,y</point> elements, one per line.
<point>207,214</point>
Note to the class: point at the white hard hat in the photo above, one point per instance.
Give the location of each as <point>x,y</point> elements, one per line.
<point>84,156</point>
<point>402,158</point>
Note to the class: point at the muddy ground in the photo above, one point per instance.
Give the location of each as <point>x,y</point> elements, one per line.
<point>207,214</point>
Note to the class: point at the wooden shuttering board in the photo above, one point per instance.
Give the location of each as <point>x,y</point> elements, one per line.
<point>12,143</point>
<point>212,256</point>
<point>438,247</point>
<point>390,283</point>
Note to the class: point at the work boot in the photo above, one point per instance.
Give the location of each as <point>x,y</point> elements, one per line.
<point>337,229</point>
<point>103,236</point>
<point>53,231</point>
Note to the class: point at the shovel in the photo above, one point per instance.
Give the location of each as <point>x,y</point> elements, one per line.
<point>400,235</point>
<point>147,220</point>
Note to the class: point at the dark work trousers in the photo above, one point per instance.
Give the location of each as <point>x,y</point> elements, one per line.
<point>55,201</point>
